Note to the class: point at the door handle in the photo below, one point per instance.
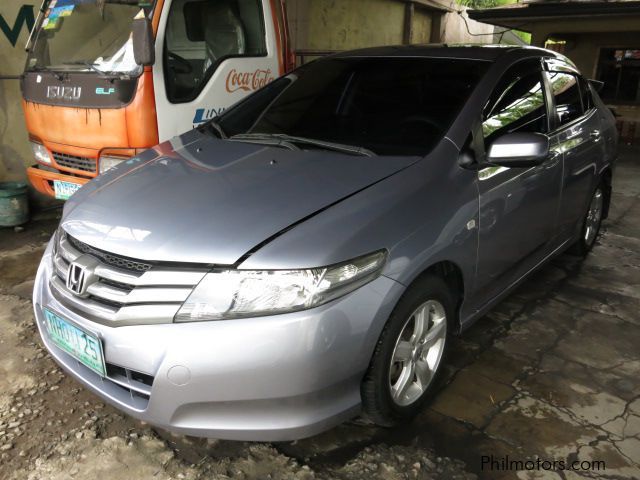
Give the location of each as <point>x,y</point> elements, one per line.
<point>595,134</point>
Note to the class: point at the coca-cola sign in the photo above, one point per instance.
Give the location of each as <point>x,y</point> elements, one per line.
<point>248,81</point>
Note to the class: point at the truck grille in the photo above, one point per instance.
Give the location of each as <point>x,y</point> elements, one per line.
<point>77,163</point>
<point>125,291</point>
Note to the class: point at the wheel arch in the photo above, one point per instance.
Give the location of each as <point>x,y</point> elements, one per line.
<point>451,273</point>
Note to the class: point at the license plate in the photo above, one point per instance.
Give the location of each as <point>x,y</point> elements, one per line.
<point>83,346</point>
<point>64,190</point>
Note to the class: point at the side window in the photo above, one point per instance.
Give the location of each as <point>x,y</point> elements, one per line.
<point>200,34</point>
<point>567,96</point>
<point>517,105</point>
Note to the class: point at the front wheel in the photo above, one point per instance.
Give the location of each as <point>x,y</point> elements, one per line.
<point>590,225</point>
<point>408,357</point>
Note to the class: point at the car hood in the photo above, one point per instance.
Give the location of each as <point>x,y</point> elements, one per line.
<point>196,199</point>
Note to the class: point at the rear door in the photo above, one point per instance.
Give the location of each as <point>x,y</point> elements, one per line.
<point>578,129</point>
<point>211,54</point>
<point>518,206</point>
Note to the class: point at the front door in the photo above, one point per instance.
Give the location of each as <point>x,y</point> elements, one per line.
<point>209,55</point>
<point>518,206</point>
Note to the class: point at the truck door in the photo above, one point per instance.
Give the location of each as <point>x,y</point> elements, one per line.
<point>209,55</point>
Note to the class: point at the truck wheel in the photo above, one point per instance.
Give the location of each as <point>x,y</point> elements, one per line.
<point>407,359</point>
<point>590,225</point>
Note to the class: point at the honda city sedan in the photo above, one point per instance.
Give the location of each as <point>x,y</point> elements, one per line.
<point>305,257</point>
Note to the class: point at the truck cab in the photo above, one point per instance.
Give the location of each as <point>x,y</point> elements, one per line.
<point>106,79</point>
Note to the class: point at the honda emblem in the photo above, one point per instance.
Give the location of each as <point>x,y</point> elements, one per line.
<point>81,275</point>
<point>76,278</point>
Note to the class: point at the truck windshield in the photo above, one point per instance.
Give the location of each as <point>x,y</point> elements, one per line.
<point>87,36</point>
<point>382,105</point>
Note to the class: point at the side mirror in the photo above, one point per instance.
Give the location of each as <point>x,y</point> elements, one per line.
<point>143,44</point>
<point>519,150</point>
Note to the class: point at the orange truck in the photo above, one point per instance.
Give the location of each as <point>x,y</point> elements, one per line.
<point>105,79</point>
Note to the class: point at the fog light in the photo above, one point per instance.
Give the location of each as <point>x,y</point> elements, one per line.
<point>41,153</point>
<point>107,162</point>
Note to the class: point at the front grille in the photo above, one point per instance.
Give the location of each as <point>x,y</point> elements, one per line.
<point>84,164</point>
<point>108,258</point>
<point>136,384</point>
<point>123,291</point>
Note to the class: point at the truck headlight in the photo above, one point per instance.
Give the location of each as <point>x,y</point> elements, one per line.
<point>107,162</point>
<point>226,294</point>
<point>41,153</point>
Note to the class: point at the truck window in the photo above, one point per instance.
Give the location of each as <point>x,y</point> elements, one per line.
<point>201,34</point>
<point>84,36</point>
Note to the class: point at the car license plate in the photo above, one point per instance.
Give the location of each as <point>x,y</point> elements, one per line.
<point>64,190</point>
<point>83,346</point>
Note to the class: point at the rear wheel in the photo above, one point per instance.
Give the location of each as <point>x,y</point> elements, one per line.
<point>590,225</point>
<point>407,360</point>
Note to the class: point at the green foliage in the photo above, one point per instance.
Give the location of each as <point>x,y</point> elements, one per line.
<point>484,3</point>
<point>479,3</point>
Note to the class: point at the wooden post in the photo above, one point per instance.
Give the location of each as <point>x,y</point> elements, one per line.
<point>437,26</point>
<point>408,23</point>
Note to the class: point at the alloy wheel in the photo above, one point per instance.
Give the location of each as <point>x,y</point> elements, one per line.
<point>417,353</point>
<point>594,217</point>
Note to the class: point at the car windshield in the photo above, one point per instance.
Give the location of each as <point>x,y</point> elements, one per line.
<point>87,36</point>
<point>389,106</point>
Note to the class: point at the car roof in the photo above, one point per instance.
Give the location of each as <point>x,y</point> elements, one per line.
<point>489,53</point>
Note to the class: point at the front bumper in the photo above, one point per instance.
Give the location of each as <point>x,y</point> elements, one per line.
<point>42,180</point>
<point>275,378</point>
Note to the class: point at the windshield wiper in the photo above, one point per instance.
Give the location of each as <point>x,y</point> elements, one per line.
<point>263,139</point>
<point>213,127</point>
<point>93,67</point>
<point>292,139</point>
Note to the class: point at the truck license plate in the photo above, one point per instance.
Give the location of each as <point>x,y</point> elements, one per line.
<point>64,190</point>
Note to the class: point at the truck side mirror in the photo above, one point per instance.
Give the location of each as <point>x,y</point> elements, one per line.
<point>143,45</point>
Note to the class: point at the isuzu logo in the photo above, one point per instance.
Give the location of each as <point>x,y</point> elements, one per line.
<point>60,92</point>
<point>81,275</point>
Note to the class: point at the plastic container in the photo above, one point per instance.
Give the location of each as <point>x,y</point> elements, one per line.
<point>14,204</point>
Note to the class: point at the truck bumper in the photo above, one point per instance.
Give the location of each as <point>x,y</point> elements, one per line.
<point>42,180</point>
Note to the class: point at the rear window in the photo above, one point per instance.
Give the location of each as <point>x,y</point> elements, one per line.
<point>392,106</point>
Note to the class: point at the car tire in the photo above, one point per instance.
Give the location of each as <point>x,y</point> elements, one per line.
<point>408,357</point>
<point>590,224</point>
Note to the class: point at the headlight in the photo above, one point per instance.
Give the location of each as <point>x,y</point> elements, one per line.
<point>107,162</point>
<point>41,153</point>
<point>225,294</point>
